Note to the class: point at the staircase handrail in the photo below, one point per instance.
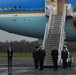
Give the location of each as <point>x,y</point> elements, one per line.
<point>47,27</point>
<point>69,10</point>
<point>62,35</point>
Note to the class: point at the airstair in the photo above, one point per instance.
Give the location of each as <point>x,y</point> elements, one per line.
<point>54,35</point>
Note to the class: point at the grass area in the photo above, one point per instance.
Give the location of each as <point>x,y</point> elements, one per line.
<point>17,55</point>
<point>73,54</point>
<point>25,55</point>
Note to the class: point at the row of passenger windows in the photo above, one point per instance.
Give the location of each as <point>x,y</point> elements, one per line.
<point>10,7</point>
<point>73,5</point>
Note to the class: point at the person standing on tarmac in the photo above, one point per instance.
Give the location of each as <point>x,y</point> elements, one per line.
<point>35,56</point>
<point>54,54</point>
<point>42,54</point>
<point>64,56</point>
<point>10,55</point>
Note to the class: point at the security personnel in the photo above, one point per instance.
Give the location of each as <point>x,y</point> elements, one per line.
<point>64,56</point>
<point>10,55</point>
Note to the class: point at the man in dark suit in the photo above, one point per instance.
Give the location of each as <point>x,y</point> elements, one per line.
<point>42,55</point>
<point>35,56</point>
<point>10,55</point>
<point>54,55</point>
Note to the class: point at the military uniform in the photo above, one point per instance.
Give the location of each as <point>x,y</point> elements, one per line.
<point>64,56</point>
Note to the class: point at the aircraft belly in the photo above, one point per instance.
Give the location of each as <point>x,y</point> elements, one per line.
<point>27,26</point>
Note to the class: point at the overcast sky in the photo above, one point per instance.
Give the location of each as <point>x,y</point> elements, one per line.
<point>5,36</point>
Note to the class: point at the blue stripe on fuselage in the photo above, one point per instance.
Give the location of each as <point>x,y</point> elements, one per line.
<point>26,5</point>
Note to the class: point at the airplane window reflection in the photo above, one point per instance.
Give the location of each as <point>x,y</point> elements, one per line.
<point>10,8</point>
<point>5,8</point>
<point>19,7</point>
<point>14,7</point>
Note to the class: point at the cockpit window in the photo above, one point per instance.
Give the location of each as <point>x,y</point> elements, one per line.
<point>19,7</point>
<point>0,8</point>
<point>15,7</point>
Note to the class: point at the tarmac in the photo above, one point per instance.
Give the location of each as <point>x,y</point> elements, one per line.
<point>25,66</point>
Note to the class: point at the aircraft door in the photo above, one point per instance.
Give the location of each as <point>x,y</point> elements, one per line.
<point>60,6</point>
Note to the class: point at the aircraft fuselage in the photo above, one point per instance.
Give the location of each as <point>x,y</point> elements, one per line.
<point>28,18</point>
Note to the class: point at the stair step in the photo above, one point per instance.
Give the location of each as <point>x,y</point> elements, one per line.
<point>53,38</point>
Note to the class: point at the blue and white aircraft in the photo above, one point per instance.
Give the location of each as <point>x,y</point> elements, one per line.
<point>27,18</point>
